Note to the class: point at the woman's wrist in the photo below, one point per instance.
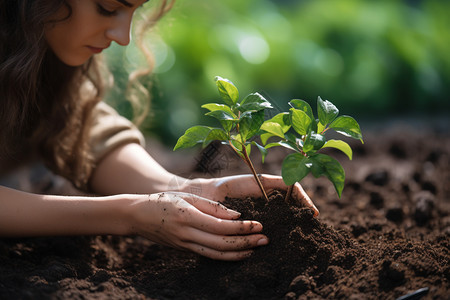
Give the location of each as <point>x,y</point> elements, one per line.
<point>196,186</point>
<point>119,215</point>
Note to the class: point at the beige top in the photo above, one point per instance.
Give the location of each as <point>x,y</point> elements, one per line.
<point>109,130</point>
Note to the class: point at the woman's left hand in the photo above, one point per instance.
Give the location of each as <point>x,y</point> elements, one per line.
<point>239,186</point>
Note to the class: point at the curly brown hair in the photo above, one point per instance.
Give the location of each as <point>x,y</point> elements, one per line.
<point>40,97</point>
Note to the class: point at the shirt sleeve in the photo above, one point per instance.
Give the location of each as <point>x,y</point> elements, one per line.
<point>84,144</point>
<point>110,130</point>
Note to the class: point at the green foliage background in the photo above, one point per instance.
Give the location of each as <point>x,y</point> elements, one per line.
<point>373,59</point>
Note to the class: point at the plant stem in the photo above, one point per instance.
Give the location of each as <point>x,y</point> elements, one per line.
<point>288,193</point>
<point>325,129</point>
<point>238,153</point>
<point>249,163</point>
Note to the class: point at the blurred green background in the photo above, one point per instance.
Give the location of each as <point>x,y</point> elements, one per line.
<point>373,59</point>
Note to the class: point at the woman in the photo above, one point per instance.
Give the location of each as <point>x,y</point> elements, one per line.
<point>50,92</point>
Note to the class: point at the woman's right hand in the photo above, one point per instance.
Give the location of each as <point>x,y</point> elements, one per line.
<point>186,221</point>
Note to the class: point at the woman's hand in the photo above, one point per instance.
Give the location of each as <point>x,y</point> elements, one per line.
<point>187,221</point>
<point>243,185</point>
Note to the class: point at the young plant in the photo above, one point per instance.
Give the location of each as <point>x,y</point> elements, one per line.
<point>301,132</point>
<point>240,120</point>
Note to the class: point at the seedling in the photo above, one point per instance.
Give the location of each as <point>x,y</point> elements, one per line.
<point>240,120</point>
<point>301,132</point>
<point>297,130</point>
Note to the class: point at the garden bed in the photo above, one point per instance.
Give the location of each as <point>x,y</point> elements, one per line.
<point>386,237</point>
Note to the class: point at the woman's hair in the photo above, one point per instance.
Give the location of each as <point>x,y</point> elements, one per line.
<point>138,94</point>
<point>40,100</point>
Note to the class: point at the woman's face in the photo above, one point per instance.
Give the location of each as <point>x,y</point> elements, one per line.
<point>91,27</point>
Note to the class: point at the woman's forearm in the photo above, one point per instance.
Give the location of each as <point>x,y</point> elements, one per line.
<point>25,214</point>
<point>130,169</point>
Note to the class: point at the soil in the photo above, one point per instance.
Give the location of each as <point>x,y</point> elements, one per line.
<point>388,235</point>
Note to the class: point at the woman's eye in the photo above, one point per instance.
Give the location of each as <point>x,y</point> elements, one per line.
<point>105,12</point>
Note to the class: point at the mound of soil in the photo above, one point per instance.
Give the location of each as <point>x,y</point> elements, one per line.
<point>386,237</point>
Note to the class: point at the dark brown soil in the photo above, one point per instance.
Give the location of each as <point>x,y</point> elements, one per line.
<point>389,235</point>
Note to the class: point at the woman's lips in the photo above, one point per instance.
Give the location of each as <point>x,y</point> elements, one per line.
<point>95,49</point>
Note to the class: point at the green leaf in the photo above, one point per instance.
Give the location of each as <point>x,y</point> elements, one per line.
<point>292,140</point>
<point>313,126</point>
<point>347,126</point>
<point>265,137</point>
<point>302,105</point>
<point>254,102</point>
<point>326,110</point>
<point>313,142</point>
<point>283,119</point>
<point>219,107</point>
<point>284,144</point>
<point>227,90</point>
<point>274,128</point>
<point>228,125</point>
<point>295,167</point>
<point>324,165</point>
<point>248,147</point>
<point>291,137</point>
<point>221,115</point>
<point>216,134</point>
<point>238,139</point>
<point>227,120</point>
<point>270,145</point>
<point>193,136</point>
<point>239,144</point>
<point>261,149</point>
<point>289,145</point>
<point>250,123</point>
<point>340,145</point>
<point>236,142</point>
<point>300,121</point>
<point>320,127</point>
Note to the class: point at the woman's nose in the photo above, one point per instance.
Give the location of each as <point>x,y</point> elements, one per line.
<point>119,31</point>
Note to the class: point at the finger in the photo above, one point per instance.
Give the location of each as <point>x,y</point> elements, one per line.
<point>225,227</point>
<point>194,217</point>
<point>271,182</point>
<point>209,207</point>
<point>226,243</point>
<point>220,255</point>
<point>300,194</point>
<point>238,186</point>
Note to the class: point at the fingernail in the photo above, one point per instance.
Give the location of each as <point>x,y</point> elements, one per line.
<point>262,242</point>
<point>316,211</point>
<point>256,226</point>
<point>233,213</point>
